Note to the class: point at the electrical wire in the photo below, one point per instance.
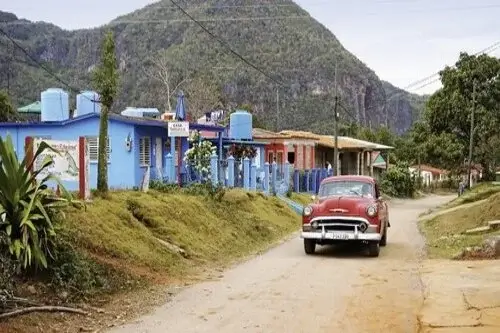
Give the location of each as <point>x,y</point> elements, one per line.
<point>51,73</point>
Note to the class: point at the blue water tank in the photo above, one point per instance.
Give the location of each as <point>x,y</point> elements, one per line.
<point>87,102</point>
<point>55,105</point>
<point>240,125</point>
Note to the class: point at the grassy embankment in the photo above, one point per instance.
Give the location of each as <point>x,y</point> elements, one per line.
<point>445,229</point>
<point>134,240</point>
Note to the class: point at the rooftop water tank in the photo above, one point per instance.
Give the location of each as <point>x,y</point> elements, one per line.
<point>240,125</point>
<point>55,105</point>
<point>87,102</point>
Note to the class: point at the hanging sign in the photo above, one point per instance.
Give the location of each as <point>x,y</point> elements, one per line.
<point>178,129</point>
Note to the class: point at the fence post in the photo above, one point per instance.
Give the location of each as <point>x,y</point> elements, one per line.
<point>214,169</point>
<point>246,173</point>
<point>286,175</point>
<point>313,180</point>
<point>230,171</point>
<point>266,177</point>
<point>274,176</point>
<point>253,177</point>
<point>296,181</point>
<point>168,168</point>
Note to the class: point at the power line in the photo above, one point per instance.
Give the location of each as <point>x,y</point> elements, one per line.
<point>51,73</point>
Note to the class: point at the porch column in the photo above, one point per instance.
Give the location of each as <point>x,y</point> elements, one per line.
<point>387,161</point>
<point>357,163</point>
<point>296,154</point>
<point>339,165</point>
<point>313,158</point>
<point>362,164</point>
<point>371,163</point>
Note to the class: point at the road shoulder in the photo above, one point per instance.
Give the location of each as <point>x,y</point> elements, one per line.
<point>460,297</point>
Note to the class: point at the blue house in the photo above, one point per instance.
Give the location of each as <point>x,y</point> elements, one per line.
<point>134,142</point>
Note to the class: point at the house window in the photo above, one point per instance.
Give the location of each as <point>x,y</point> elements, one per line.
<point>145,151</point>
<point>93,144</point>
<point>291,157</point>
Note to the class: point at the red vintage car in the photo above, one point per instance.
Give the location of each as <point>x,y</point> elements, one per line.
<point>347,209</point>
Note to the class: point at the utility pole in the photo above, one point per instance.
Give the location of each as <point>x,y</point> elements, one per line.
<point>336,128</point>
<point>471,139</point>
<point>277,109</point>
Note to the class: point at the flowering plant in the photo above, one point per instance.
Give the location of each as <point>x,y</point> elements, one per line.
<point>198,156</point>
<point>239,152</point>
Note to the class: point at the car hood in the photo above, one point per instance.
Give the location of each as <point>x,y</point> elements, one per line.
<point>343,205</point>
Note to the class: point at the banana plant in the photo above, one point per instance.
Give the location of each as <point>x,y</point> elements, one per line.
<point>27,205</point>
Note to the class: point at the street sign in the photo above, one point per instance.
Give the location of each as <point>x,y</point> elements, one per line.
<point>178,129</point>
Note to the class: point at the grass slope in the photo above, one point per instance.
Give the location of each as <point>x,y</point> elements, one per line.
<point>125,230</point>
<point>132,240</point>
<point>444,233</point>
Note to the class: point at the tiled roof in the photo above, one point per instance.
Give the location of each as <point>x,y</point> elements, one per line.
<point>428,168</point>
<point>328,141</point>
<point>260,133</point>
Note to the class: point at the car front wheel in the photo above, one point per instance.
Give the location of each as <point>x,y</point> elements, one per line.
<point>383,241</point>
<point>309,246</point>
<point>373,249</point>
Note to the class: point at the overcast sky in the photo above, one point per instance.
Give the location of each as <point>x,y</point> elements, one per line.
<point>403,41</point>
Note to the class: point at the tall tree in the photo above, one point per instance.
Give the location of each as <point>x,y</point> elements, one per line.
<point>7,111</point>
<point>105,81</point>
<point>162,69</point>
<point>449,110</point>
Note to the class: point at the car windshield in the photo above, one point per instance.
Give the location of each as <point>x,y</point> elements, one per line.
<point>345,188</point>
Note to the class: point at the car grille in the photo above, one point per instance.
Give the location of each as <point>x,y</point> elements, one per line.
<point>339,224</point>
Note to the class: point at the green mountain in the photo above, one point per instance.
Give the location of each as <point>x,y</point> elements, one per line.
<point>298,54</point>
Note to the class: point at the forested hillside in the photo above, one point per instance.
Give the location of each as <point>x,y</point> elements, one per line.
<point>298,54</point>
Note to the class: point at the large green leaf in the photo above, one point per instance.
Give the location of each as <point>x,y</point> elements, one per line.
<point>27,204</point>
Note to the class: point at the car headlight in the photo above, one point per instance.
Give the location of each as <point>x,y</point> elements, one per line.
<point>308,211</point>
<point>371,211</point>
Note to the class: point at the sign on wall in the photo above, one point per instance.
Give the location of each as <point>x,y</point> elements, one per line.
<point>65,164</point>
<point>178,129</point>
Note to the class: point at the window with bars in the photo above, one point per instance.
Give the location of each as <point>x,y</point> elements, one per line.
<point>145,151</point>
<point>93,143</point>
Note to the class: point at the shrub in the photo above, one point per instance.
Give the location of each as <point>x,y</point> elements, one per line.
<point>27,206</point>
<point>398,181</point>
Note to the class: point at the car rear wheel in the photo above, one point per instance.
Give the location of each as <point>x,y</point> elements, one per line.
<point>373,249</point>
<point>309,246</point>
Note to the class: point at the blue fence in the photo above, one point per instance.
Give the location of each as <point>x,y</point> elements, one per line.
<point>231,173</point>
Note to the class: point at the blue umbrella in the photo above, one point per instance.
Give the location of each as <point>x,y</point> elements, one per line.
<point>180,109</point>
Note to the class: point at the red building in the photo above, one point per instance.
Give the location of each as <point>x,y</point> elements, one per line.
<point>282,147</point>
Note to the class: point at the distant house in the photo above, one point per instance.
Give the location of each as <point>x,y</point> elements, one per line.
<point>379,164</point>
<point>429,174</point>
<point>282,147</point>
<point>306,150</point>
<point>31,111</point>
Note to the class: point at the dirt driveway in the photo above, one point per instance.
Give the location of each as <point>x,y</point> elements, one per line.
<point>286,291</point>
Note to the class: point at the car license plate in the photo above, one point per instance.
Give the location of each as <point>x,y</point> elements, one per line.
<point>338,236</point>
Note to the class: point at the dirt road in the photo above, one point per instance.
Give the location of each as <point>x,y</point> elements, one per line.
<point>286,291</point>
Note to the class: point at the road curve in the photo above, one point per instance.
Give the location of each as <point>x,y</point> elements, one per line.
<point>283,290</point>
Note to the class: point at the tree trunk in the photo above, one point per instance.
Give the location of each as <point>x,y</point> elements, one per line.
<point>102,161</point>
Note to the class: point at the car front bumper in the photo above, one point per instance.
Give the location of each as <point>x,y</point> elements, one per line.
<point>324,230</point>
<point>341,236</point>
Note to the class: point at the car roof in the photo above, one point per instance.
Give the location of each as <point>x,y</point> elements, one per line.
<point>365,179</point>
